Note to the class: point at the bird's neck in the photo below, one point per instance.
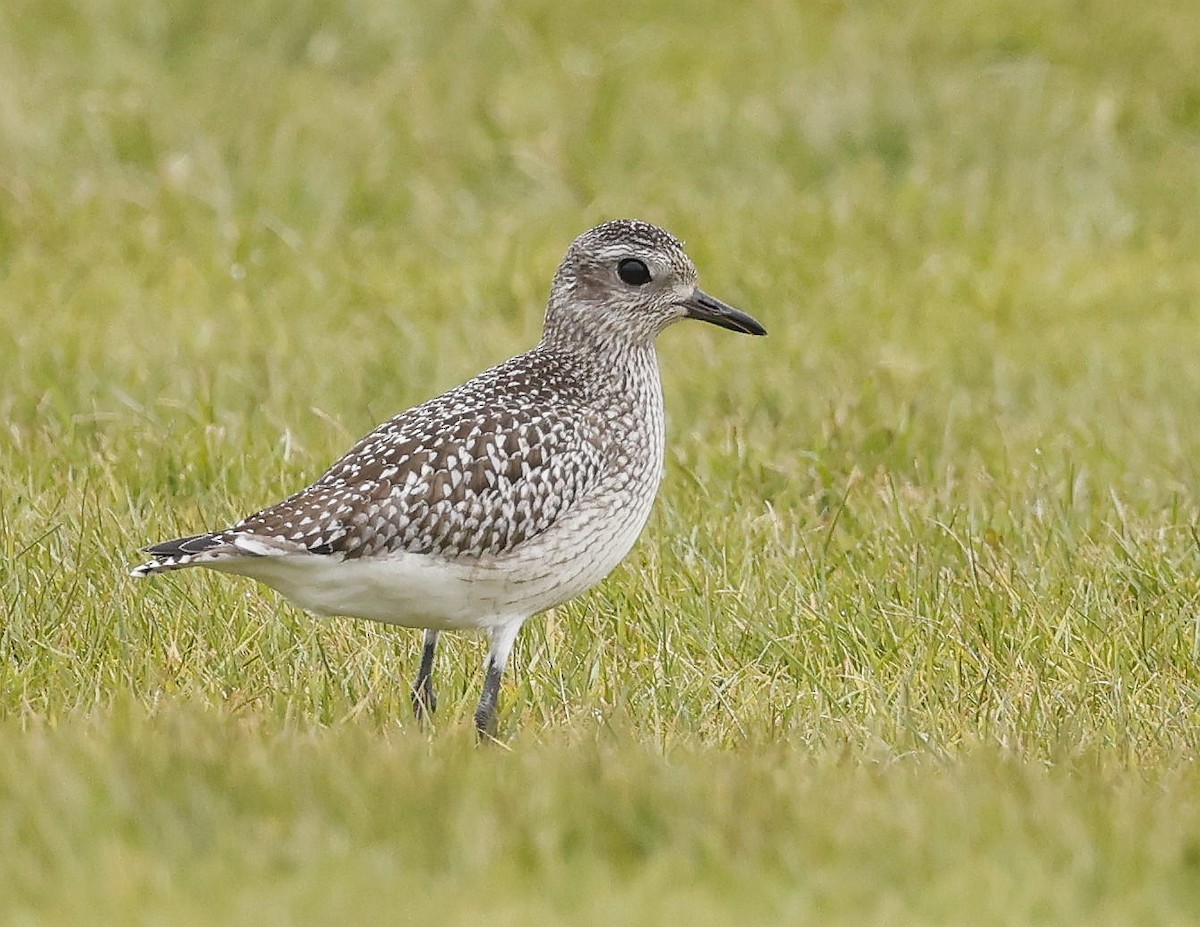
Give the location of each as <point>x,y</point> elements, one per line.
<point>606,342</point>
<point>610,367</point>
<point>572,328</point>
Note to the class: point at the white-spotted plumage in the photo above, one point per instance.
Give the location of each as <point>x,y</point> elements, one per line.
<point>504,496</point>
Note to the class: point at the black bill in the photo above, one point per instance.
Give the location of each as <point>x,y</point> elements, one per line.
<point>709,309</point>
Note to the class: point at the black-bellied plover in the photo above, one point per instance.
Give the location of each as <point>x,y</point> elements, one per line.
<point>505,496</point>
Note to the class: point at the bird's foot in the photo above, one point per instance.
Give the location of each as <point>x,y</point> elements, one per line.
<point>424,700</point>
<point>486,726</point>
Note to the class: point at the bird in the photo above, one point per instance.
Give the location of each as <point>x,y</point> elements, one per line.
<point>503,497</point>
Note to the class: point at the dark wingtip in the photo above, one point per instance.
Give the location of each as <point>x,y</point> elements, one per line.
<point>182,547</point>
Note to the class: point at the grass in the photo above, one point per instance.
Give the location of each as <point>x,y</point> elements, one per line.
<point>913,634</point>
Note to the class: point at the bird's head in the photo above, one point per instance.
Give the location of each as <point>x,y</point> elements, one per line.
<point>625,281</point>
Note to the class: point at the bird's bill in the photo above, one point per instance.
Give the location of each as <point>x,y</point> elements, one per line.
<point>710,309</point>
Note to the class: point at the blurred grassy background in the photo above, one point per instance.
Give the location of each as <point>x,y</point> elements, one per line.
<point>913,635</point>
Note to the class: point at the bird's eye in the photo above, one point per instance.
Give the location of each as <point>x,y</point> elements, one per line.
<point>633,272</point>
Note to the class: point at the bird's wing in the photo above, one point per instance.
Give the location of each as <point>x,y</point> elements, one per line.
<point>473,482</point>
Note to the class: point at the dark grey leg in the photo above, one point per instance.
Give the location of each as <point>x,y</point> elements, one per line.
<point>485,713</point>
<point>424,700</point>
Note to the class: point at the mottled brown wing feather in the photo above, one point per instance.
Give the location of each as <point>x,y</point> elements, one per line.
<point>470,483</point>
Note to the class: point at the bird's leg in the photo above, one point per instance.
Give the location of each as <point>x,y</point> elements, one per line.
<point>424,700</point>
<point>501,646</point>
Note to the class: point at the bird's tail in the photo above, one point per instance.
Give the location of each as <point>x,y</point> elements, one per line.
<point>218,547</point>
<point>184,552</point>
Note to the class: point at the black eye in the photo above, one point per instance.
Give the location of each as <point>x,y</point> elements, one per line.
<point>633,272</point>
